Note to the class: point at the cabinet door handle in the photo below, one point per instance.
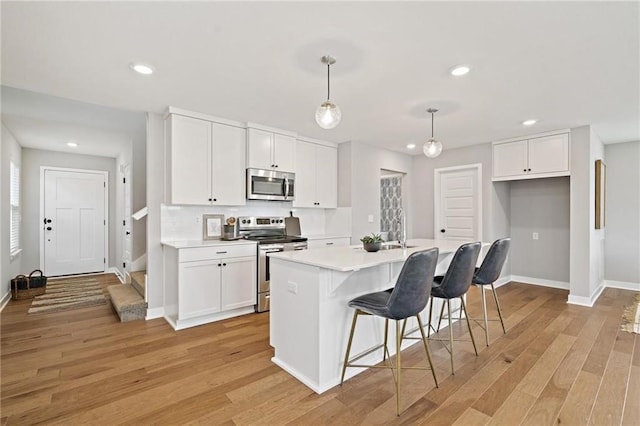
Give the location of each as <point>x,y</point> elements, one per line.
<point>524,170</point>
<point>219,264</point>
<point>210,199</point>
<point>220,252</point>
<point>329,244</point>
<point>529,170</point>
<point>224,264</point>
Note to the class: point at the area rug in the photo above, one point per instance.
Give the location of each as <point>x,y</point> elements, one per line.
<point>68,294</point>
<point>631,317</point>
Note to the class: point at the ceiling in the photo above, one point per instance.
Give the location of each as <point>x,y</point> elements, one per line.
<point>566,64</point>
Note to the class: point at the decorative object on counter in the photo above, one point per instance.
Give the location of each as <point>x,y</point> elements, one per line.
<point>292,225</point>
<point>328,114</point>
<point>230,231</point>
<point>23,287</point>
<point>212,226</point>
<point>433,147</point>
<point>601,177</point>
<point>372,243</point>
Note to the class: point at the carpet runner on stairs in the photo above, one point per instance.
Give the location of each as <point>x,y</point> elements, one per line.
<point>128,299</point>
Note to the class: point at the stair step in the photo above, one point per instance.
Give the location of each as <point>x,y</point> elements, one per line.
<point>126,301</point>
<point>138,280</point>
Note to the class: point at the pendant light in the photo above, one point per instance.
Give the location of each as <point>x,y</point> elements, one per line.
<point>328,114</point>
<point>433,147</point>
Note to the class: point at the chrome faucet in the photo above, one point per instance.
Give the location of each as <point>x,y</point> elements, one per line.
<point>403,223</point>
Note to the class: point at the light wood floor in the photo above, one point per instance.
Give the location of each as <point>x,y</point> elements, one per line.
<point>558,363</point>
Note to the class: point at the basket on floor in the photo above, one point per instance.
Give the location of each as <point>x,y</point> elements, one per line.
<point>27,287</point>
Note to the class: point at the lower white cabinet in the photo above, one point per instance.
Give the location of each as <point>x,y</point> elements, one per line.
<point>205,284</point>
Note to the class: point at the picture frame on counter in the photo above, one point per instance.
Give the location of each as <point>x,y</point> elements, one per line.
<point>212,226</point>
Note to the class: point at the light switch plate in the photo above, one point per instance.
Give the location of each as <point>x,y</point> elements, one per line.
<point>370,218</point>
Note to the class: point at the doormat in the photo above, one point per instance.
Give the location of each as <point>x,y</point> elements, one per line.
<point>69,294</point>
<point>631,317</point>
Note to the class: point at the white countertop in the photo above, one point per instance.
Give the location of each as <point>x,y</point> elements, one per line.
<point>325,236</point>
<point>353,258</point>
<point>205,243</point>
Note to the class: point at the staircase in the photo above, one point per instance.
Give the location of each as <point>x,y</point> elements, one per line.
<point>128,299</point>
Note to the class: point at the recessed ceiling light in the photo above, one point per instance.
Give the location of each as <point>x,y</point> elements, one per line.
<point>460,70</point>
<point>141,68</point>
<point>411,145</point>
<point>529,122</point>
<point>72,144</point>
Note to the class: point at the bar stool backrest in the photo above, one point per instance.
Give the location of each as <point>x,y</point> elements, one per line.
<point>457,280</point>
<point>492,264</point>
<point>413,287</point>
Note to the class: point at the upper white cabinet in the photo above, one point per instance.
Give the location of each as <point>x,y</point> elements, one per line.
<point>316,175</point>
<point>535,157</point>
<point>206,160</point>
<point>270,150</point>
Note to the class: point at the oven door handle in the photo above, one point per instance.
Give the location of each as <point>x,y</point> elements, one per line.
<point>271,250</point>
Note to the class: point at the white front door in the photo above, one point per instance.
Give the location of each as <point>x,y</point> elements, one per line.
<point>74,222</point>
<point>458,203</point>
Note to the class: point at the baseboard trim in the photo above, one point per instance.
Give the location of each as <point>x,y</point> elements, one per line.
<point>587,301</point>
<point>502,281</point>
<point>541,282</point>
<point>5,300</point>
<point>154,313</point>
<point>623,285</point>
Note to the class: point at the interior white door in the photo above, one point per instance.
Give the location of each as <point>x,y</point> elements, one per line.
<point>458,217</point>
<point>74,222</point>
<point>126,222</point>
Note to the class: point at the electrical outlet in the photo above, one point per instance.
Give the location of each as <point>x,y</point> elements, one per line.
<point>370,218</point>
<point>534,236</point>
<point>292,287</point>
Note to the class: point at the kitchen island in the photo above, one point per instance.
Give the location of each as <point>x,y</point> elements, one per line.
<point>310,318</point>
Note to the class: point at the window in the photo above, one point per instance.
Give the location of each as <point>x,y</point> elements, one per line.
<point>14,200</point>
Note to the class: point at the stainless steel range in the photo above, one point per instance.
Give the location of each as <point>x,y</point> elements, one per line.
<point>271,236</point>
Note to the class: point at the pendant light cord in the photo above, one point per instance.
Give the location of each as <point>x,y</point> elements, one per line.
<point>328,82</point>
<point>432,125</point>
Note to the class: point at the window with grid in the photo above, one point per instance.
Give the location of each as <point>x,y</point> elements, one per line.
<point>15,208</point>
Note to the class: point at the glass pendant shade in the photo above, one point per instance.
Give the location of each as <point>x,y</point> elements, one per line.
<point>432,148</point>
<point>328,115</point>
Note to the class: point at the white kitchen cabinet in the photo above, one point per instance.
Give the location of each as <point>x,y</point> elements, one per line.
<point>270,150</point>
<point>206,161</point>
<point>209,283</point>
<point>535,157</point>
<point>320,242</point>
<point>316,175</point>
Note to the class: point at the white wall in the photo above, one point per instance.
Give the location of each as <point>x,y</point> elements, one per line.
<point>541,206</point>
<point>587,256</point>
<point>155,197</point>
<point>359,167</point>
<point>9,268</point>
<point>622,243</point>
<point>33,159</point>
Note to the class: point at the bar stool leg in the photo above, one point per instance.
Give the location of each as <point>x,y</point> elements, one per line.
<point>398,366</point>
<point>495,297</point>
<point>484,315</point>
<point>466,316</point>
<point>346,356</point>
<point>386,338</point>
<point>430,316</point>
<point>450,334</point>
<point>426,349</point>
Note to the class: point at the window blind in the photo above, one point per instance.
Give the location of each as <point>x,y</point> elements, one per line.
<point>15,207</point>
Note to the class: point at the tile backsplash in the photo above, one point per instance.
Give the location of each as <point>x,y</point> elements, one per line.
<point>181,223</point>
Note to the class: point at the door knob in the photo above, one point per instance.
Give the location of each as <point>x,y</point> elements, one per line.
<point>443,231</point>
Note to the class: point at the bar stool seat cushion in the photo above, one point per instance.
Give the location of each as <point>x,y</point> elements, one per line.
<point>373,303</point>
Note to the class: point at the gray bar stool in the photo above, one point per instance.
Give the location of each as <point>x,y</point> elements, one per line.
<point>486,275</point>
<point>453,285</point>
<point>407,299</point>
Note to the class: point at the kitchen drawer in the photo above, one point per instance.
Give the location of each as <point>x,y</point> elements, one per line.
<point>217,252</point>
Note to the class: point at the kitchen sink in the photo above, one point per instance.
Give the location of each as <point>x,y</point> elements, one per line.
<point>393,246</point>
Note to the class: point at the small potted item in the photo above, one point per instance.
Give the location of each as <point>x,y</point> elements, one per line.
<point>372,242</point>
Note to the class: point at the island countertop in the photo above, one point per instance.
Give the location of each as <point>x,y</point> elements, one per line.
<point>354,258</point>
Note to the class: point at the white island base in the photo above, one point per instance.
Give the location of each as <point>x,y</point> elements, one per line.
<point>310,319</point>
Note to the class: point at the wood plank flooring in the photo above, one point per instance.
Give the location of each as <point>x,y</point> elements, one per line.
<point>558,363</point>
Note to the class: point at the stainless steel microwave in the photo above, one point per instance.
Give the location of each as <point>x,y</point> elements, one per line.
<point>270,185</point>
